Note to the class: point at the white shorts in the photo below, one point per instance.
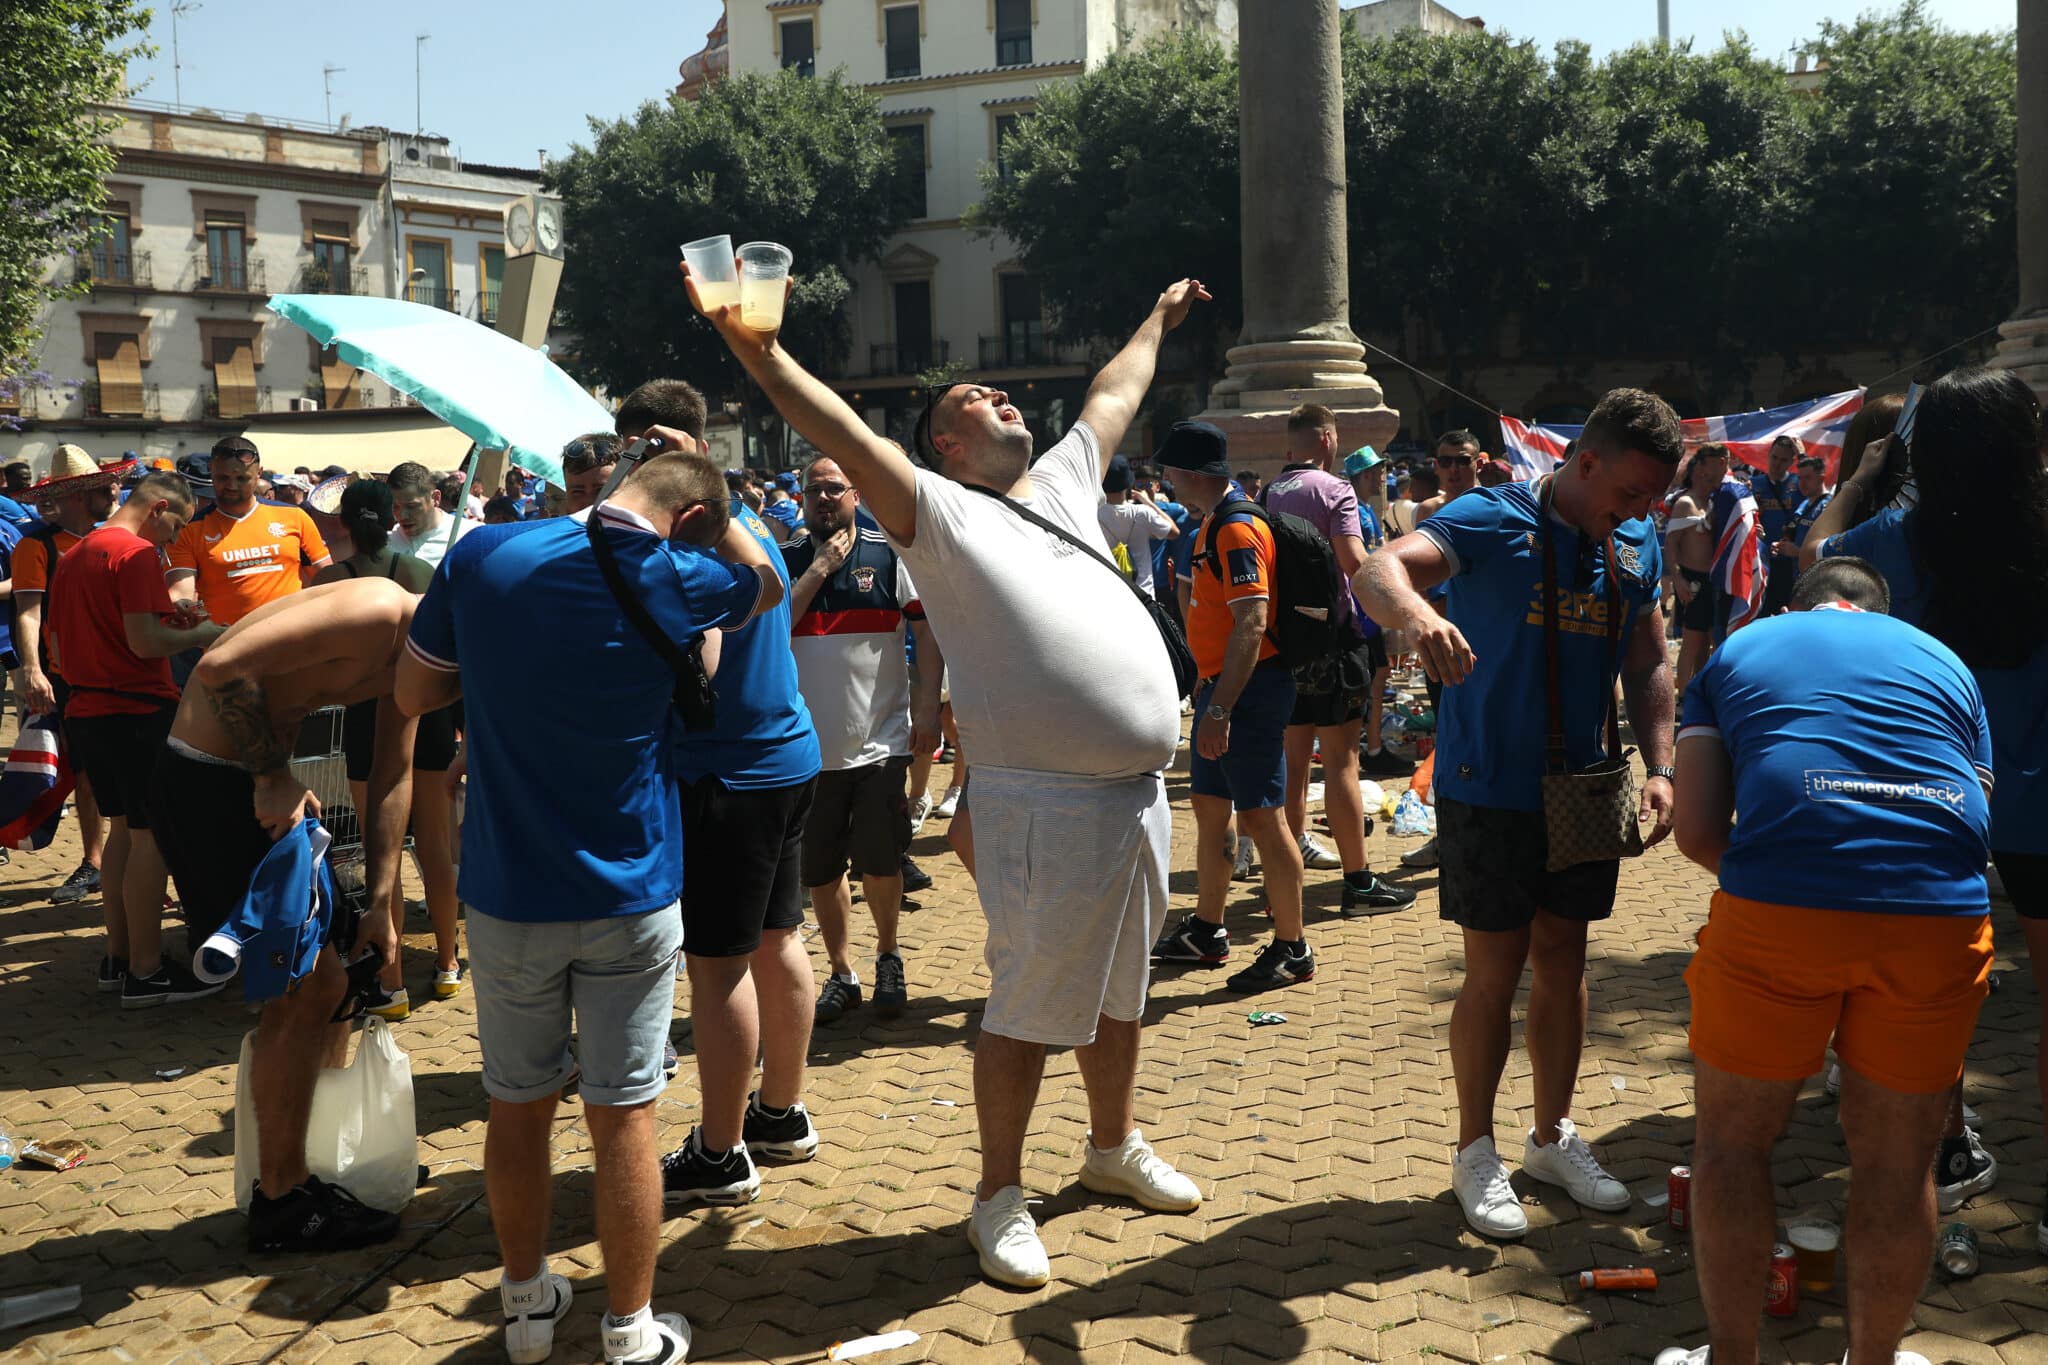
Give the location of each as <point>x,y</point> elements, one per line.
<point>1072,876</point>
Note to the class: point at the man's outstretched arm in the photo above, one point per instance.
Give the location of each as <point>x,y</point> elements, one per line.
<point>878,468</point>
<point>1114,397</point>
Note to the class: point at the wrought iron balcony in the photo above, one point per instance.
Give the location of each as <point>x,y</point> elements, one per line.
<point>433,295</point>
<point>1016,350</point>
<point>228,274</point>
<point>316,278</point>
<point>114,270</point>
<point>906,357</point>
<point>140,401</point>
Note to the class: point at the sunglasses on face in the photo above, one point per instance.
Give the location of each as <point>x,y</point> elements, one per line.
<point>1454,461</point>
<point>826,490</point>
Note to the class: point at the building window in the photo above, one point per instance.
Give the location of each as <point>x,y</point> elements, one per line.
<point>1023,322</point>
<point>490,271</point>
<point>234,376</point>
<point>227,251</point>
<point>426,272</point>
<point>913,305</point>
<point>900,42</point>
<point>1013,32</point>
<point>1006,126</point>
<point>908,139</point>
<point>329,271</point>
<point>112,255</point>
<point>338,381</point>
<point>799,46</point>
<point>117,361</point>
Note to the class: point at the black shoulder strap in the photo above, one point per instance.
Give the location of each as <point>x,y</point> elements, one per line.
<point>1042,524</point>
<point>1230,508</point>
<point>674,655</point>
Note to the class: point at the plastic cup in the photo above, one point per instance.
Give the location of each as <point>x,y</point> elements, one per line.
<point>710,262</point>
<point>1816,1245</point>
<point>764,267</point>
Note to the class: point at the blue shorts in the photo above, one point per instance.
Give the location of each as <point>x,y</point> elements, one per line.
<point>1252,774</point>
<point>615,976</point>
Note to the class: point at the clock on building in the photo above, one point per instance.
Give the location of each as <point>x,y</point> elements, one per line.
<point>519,227</point>
<point>547,225</point>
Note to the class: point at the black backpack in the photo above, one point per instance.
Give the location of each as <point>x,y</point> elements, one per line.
<point>1306,581</point>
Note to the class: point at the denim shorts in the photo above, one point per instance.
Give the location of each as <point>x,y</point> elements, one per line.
<point>612,980</point>
<point>1252,774</point>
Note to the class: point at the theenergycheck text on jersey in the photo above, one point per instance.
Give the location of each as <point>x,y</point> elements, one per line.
<point>1881,789</point>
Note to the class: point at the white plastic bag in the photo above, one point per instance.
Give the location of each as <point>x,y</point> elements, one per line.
<point>1371,795</point>
<point>362,1135</point>
<point>1412,817</point>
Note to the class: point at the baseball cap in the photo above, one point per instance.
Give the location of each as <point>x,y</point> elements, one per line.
<point>1118,477</point>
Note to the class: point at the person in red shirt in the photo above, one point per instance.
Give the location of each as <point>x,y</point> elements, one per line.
<point>1242,708</point>
<point>115,629</point>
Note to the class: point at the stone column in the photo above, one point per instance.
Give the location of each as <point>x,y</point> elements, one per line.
<point>2024,344</point>
<point>1297,345</point>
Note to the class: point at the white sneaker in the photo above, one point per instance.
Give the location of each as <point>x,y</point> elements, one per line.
<point>1678,1355</point>
<point>531,1315</point>
<point>1132,1168</point>
<point>1898,1358</point>
<point>2041,1235</point>
<point>950,804</point>
<point>1001,1230</point>
<point>663,1339</point>
<point>1317,856</point>
<point>1481,1183</point>
<point>1423,855</point>
<point>919,809</point>
<point>1568,1163</point>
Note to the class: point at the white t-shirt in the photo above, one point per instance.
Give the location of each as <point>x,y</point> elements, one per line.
<point>1055,667</point>
<point>435,545</point>
<point>1135,526</point>
<point>1401,516</point>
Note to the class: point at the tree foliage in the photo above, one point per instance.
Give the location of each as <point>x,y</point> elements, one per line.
<point>785,158</point>
<point>59,58</point>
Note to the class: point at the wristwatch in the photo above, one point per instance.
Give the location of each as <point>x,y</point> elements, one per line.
<point>1216,712</point>
<point>1663,770</point>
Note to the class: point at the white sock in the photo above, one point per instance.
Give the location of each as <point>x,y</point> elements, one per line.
<point>629,1337</point>
<point>524,1296</point>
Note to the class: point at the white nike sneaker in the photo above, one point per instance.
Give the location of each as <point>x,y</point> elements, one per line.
<point>1001,1230</point>
<point>1481,1183</point>
<point>1678,1355</point>
<point>1133,1169</point>
<point>531,1314</point>
<point>1568,1163</point>
<point>947,807</point>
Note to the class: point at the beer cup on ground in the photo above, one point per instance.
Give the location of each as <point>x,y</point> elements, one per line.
<point>711,265</point>
<point>1816,1245</point>
<point>764,269</point>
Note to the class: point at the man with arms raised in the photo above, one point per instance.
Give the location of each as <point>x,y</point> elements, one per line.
<point>1491,545</point>
<point>223,792</point>
<point>1066,699</point>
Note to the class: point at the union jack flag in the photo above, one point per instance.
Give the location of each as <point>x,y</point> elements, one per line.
<point>34,786</point>
<point>1534,450</point>
<point>1741,565</point>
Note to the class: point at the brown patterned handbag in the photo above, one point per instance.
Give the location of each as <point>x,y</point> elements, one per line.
<point>1589,815</point>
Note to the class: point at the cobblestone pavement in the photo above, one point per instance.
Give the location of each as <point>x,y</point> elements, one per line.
<point>1329,1232</point>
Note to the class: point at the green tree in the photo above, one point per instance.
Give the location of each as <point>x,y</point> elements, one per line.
<point>785,158</point>
<point>1126,177</point>
<point>60,57</point>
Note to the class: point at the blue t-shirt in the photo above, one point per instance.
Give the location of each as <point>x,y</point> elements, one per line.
<point>1860,752</point>
<point>789,512</point>
<point>1493,728</point>
<point>1809,513</point>
<point>587,824</point>
<point>10,536</point>
<point>1777,502</point>
<point>1162,550</point>
<point>2015,699</point>
<point>763,736</point>
<point>14,513</point>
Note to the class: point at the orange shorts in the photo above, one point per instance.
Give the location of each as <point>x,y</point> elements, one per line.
<point>1898,993</point>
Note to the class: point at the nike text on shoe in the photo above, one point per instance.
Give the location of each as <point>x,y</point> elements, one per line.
<point>786,1135</point>
<point>691,1175</point>
<point>1193,940</point>
<point>1003,1234</point>
<point>531,1312</point>
<point>1134,1170</point>
<point>1568,1164</point>
<point>1278,964</point>
<point>657,1339</point>
<point>1678,1355</point>
<point>1481,1183</point>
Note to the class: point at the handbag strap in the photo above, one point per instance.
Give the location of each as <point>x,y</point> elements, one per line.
<point>1554,692</point>
<point>1068,536</point>
<point>682,661</point>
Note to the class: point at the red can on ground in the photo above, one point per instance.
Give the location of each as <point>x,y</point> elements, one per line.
<point>1781,1291</point>
<point>1680,1211</point>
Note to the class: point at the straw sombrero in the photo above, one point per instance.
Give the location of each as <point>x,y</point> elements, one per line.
<point>74,471</point>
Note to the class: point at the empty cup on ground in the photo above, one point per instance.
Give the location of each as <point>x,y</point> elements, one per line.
<point>764,267</point>
<point>1816,1245</point>
<point>711,265</point>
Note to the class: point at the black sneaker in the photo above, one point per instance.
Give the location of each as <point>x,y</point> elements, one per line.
<point>1385,763</point>
<point>316,1216</point>
<point>690,1175</point>
<point>915,878</point>
<point>1193,940</point>
<point>84,881</point>
<point>787,1135</point>
<point>1371,896</point>
<point>1962,1171</point>
<point>890,991</point>
<point>171,984</point>
<point>1277,965</point>
<point>113,971</point>
<point>836,997</point>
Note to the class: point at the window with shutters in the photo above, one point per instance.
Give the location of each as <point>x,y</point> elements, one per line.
<point>339,381</point>
<point>332,259</point>
<point>234,375</point>
<point>113,258</point>
<point>117,360</point>
<point>227,251</point>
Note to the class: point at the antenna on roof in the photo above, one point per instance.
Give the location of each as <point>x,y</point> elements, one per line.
<point>327,73</point>
<point>179,7</point>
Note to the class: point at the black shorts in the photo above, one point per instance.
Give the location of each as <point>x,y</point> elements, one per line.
<point>1698,614</point>
<point>861,818</point>
<point>433,742</point>
<point>117,754</point>
<point>1341,707</point>
<point>1491,875</point>
<point>742,851</point>
<point>1778,588</point>
<point>2026,881</point>
<point>209,835</point>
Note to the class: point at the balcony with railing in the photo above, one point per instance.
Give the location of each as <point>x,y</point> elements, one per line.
<point>487,305</point>
<point>113,270</point>
<point>316,277</point>
<point>906,357</point>
<point>227,274</point>
<point>124,401</point>
<point>1018,348</point>
<point>433,295</point>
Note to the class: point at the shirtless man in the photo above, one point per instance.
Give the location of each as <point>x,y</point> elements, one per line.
<point>225,782</point>
<point>1689,546</point>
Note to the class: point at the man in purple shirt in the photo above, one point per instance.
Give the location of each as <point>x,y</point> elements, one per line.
<point>1330,697</point>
